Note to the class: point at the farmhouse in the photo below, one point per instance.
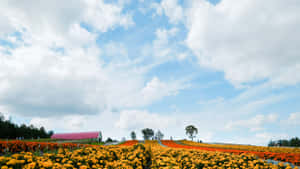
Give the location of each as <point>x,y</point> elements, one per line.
<point>78,136</point>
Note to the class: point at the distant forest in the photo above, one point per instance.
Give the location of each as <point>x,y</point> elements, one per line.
<point>9,130</point>
<point>293,142</point>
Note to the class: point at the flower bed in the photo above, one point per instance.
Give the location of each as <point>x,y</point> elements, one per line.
<point>293,158</point>
<point>19,146</point>
<point>129,143</point>
<point>134,157</point>
<point>152,143</point>
<point>109,157</point>
<point>244,147</point>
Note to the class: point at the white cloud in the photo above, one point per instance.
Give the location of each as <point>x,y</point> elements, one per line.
<point>251,104</point>
<point>171,9</point>
<point>156,89</point>
<point>261,138</point>
<point>59,22</point>
<point>56,66</point>
<point>250,40</point>
<point>69,123</point>
<point>182,56</point>
<point>58,16</point>
<point>163,35</point>
<point>80,36</point>
<point>253,124</point>
<point>294,119</point>
<point>116,53</point>
<point>108,15</point>
<point>166,47</point>
<point>55,19</point>
<point>36,80</point>
<point>135,119</point>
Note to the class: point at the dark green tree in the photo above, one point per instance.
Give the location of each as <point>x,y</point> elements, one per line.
<point>293,142</point>
<point>147,133</point>
<point>9,130</point>
<point>108,140</point>
<point>191,131</point>
<point>133,135</point>
<point>272,143</point>
<point>159,135</point>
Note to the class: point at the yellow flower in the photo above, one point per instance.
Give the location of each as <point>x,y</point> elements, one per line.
<point>83,167</point>
<point>47,164</point>
<point>11,162</point>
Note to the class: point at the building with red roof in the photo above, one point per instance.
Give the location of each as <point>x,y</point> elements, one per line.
<point>78,136</point>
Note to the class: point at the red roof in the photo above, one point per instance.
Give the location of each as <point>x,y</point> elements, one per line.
<point>76,136</point>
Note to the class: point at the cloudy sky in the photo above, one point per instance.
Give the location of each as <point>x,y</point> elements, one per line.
<point>231,68</point>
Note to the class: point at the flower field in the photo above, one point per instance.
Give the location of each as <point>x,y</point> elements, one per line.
<point>152,143</point>
<point>129,143</point>
<point>293,158</point>
<point>182,158</point>
<point>131,155</point>
<point>245,147</point>
<point>19,146</point>
<point>109,157</point>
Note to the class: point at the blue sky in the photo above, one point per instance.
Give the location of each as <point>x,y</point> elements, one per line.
<point>227,67</point>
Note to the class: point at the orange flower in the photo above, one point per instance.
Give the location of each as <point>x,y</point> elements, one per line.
<point>293,158</point>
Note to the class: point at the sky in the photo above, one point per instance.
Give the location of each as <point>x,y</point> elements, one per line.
<point>231,68</point>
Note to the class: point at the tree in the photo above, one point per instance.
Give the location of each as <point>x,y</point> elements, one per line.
<point>272,143</point>
<point>108,140</point>
<point>191,131</point>
<point>295,142</point>
<point>9,130</point>
<point>159,135</point>
<point>133,135</point>
<point>1,117</point>
<point>50,133</point>
<point>147,133</point>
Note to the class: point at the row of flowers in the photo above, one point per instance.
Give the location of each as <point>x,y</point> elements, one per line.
<point>187,158</point>
<point>19,146</point>
<point>245,147</point>
<point>129,143</point>
<point>293,158</point>
<point>151,156</point>
<point>184,158</point>
<point>16,146</point>
<point>152,143</point>
<point>108,157</point>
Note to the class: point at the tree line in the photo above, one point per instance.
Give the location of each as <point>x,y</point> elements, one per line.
<point>9,130</point>
<point>149,134</point>
<point>293,142</point>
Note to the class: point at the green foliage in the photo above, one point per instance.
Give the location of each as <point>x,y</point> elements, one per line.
<point>191,131</point>
<point>41,140</point>
<point>293,142</point>
<point>10,130</point>
<point>97,143</point>
<point>133,135</point>
<point>109,140</point>
<point>159,135</point>
<point>147,133</point>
